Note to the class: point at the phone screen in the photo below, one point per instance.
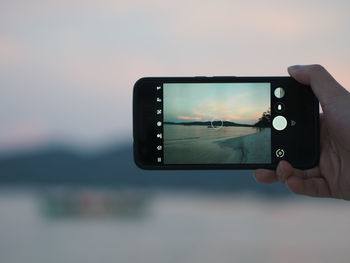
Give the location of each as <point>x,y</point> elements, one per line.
<point>217,123</point>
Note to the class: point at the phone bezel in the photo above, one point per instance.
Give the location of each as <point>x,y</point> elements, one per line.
<point>144,87</point>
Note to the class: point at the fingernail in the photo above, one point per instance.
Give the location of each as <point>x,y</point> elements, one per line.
<point>257,175</point>
<point>294,68</point>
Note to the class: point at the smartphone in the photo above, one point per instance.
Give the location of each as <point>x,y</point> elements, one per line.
<point>224,123</point>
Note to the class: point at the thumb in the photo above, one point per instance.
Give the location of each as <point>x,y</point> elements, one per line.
<point>324,86</point>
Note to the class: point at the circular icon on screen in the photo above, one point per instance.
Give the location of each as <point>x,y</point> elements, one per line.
<point>279,123</point>
<point>279,93</point>
<point>216,124</point>
<point>279,107</point>
<point>279,153</point>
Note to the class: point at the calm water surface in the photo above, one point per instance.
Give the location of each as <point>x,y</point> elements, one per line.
<point>178,227</point>
<point>202,145</point>
<point>176,133</point>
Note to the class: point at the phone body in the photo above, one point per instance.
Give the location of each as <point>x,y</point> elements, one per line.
<point>224,123</point>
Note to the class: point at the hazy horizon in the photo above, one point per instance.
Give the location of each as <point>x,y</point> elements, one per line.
<point>202,121</point>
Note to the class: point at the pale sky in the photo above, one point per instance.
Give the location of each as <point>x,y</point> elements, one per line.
<point>238,102</point>
<point>67,67</point>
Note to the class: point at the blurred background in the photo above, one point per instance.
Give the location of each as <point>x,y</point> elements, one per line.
<point>69,191</point>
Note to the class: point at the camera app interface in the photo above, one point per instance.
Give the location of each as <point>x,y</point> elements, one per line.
<point>216,123</point>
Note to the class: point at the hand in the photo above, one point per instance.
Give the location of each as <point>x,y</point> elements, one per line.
<point>331,178</point>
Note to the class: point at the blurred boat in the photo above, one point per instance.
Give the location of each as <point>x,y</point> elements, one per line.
<point>93,204</point>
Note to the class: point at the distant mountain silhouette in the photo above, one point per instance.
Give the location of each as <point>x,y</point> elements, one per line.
<point>209,123</point>
<point>115,168</point>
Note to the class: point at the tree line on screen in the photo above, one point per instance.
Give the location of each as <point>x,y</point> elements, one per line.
<point>263,122</point>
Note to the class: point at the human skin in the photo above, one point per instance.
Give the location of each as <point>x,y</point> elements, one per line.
<point>331,178</point>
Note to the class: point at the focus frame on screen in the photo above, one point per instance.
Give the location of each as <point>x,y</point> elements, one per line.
<point>223,123</point>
